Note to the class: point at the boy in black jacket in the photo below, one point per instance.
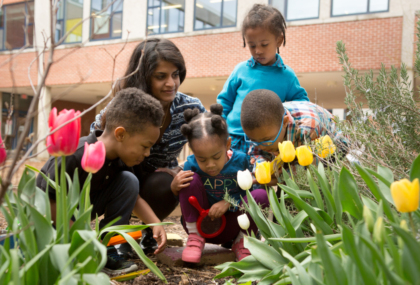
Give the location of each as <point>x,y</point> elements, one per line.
<point>133,121</point>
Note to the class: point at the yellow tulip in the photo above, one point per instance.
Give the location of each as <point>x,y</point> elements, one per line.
<point>405,195</point>
<point>325,146</point>
<point>304,155</point>
<point>276,164</point>
<point>263,172</point>
<point>287,151</point>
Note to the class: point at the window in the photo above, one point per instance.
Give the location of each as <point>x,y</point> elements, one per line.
<point>165,16</point>
<point>12,21</point>
<point>69,14</point>
<point>106,22</point>
<point>294,10</point>
<point>214,14</point>
<point>345,7</point>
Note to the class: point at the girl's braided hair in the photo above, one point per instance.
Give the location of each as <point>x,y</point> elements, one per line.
<point>268,17</point>
<point>199,125</point>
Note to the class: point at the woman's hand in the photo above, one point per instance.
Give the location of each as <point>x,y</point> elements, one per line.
<point>218,209</point>
<point>172,172</point>
<point>159,235</point>
<point>181,180</point>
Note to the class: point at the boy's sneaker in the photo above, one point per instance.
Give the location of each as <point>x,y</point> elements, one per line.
<point>240,251</point>
<point>194,248</point>
<point>116,264</point>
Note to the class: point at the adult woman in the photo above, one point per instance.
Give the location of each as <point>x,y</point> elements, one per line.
<point>161,72</point>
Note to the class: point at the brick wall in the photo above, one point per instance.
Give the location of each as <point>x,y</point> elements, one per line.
<point>309,48</point>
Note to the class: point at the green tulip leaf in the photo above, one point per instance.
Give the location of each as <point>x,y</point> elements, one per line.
<point>415,169</point>
<point>365,270</point>
<point>348,194</point>
<point>264,253</point>
<point>315,191</point>
<point>323,182</point>
<point>333,270</point>
<point>375,191</point>
<point>312,213</point>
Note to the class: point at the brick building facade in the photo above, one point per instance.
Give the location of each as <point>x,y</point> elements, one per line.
<point>385,35</point>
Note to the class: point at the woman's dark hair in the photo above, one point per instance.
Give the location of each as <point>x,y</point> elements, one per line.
<point>267,17</point>
<point>155,50</point>
<point>200,125</point>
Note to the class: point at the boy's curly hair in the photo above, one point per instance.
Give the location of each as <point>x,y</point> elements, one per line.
<point>200,125</point>
<point>267,17</point>
<point>133,109</point>
<point>261,107</point>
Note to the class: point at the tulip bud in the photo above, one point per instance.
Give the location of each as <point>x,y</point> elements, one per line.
<point>367,216</point>
<point>65,140</point>
<point>94,157</point>
<point>3,154</point>
<point>379,230</point>
<point>245,179</point>
<point>263,172</point>
<point>287,151</point>
<point>405,195</point>
<point>304,155</point>
<point>404,226</point>
<point>243,222</point>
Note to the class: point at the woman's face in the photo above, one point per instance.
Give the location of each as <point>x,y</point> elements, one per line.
<point>165,81</point>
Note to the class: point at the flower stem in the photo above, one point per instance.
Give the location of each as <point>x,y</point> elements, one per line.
<point>291,171</point>
<point>413,229</point>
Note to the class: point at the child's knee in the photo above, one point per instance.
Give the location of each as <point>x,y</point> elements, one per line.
<point>196,182</point>
<point>130,182</point>
<point>260,196</point>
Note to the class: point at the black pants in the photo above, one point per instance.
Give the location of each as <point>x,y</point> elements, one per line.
<point>155,189</point>
<point>117,200</point>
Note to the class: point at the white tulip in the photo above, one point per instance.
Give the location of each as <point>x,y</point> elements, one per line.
<point>245,179</point>
<point>243,221</point>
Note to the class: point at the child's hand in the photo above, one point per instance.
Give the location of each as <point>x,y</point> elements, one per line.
<point>218,209</point>
<point>181,180</point>
<point>159,235</point>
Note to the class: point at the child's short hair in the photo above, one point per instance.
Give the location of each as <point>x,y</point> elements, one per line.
<point>133,109</point>
<point>201,124</point>
<point>264,16</point>
<point>261,107</point>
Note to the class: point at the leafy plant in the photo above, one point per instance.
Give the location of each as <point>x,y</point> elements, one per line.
<point>331,243</point>
<point>61,255</point>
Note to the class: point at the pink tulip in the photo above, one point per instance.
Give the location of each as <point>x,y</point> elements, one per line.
<point>65,140</point>
<point>94,157</point>
<point>3,154</point>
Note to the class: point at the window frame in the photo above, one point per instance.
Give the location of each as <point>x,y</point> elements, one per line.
<point>303,19</point>
<point>91,32</point>
<point>363,13</point>
<point>160,18</point>
<point>63,23</point>
<point>221,18</point>
<point>4,8</point>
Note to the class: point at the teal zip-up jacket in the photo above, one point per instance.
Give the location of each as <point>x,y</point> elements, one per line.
<point>251,75</point>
